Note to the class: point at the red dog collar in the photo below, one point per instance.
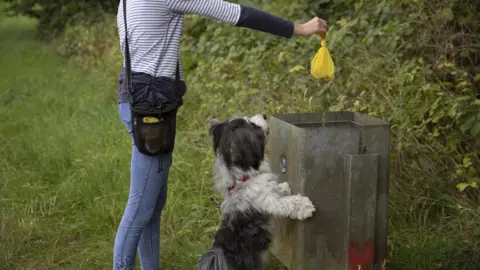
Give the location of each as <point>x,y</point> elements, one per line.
<point>243,180</point>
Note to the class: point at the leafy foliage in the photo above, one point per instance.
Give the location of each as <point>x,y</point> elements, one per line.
<point>413,63</point>
<point>54,15</point>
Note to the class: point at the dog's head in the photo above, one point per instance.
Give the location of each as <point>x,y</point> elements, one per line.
<point>240,142</point>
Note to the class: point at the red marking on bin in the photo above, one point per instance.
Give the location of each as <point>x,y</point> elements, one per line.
<point>360,257</point>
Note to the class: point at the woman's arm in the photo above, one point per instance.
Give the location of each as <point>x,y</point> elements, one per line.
<point>260,20</point>
<point>249,17</point>
<point>214,9</point>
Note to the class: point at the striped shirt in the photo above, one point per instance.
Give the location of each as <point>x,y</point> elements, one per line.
<point>155,27</point>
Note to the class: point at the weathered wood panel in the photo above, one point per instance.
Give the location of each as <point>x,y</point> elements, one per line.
<point>362,175</point>
<point>326,156</point>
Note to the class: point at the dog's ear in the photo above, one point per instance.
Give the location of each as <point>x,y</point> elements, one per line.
<point>213,125</point>
<point>215,130</point>
<point>213,122</point>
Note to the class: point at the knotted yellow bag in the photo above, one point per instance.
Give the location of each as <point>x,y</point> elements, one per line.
<point>322,64</point>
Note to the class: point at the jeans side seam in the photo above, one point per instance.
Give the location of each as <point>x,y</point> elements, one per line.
<point>138,207</point>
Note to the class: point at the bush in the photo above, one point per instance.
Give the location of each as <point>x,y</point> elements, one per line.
<point>92,44</point>
<point>53,16</point>
<point>413,63</point>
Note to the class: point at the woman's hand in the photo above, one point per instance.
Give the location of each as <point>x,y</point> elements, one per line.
<point>314,26</point>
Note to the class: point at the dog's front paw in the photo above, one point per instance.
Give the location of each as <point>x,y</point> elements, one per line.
<point>304,208</point>
<point>285,189</point>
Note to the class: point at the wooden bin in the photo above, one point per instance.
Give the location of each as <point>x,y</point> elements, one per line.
<point>340,160</point>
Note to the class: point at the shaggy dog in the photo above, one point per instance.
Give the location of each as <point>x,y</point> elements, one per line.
<point>251,193</point>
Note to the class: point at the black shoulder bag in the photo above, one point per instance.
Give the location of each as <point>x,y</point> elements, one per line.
<point>153,114</point>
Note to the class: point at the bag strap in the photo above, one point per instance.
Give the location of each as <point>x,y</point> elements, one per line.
<point>128,65</point>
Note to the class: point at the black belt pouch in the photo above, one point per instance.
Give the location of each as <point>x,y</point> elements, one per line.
<point>154,106</point>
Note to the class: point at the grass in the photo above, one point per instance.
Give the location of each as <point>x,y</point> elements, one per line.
<point>64,167</point>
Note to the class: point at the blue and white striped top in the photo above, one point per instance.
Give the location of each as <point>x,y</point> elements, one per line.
<point>155,28</point>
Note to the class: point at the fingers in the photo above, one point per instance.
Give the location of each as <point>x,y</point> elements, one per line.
<point>321,25</point>
<point>314,26</point>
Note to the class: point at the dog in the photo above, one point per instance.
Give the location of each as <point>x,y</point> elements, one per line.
<point>251,196</point>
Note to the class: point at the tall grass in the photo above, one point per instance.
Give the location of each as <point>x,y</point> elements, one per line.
<point>65,166</point>
<point>64,160</point>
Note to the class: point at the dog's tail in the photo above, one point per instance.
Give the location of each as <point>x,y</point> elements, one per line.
<point>213,259</point>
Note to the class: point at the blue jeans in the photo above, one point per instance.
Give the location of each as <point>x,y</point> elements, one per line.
<point>139,228</point>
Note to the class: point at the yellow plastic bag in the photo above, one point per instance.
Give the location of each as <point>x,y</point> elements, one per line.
<point>322,64</point>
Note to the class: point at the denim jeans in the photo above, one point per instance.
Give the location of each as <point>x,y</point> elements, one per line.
<point>139,228</point>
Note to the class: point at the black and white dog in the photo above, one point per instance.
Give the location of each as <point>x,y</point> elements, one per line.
<point>251,196</point>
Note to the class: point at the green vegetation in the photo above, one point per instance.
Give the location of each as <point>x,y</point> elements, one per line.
<point>65,154</point>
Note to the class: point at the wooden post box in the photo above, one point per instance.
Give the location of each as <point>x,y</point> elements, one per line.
<point>340,160</point>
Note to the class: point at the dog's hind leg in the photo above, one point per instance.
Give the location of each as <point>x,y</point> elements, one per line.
<point>213,259</point>
<point>294,206</point>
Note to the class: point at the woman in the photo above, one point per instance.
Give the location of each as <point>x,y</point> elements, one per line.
<point>154,30</point>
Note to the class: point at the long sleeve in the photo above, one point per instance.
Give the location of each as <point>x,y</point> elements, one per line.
<point>235,14</point>
<point>260,20</point>
<point>214,9</point>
